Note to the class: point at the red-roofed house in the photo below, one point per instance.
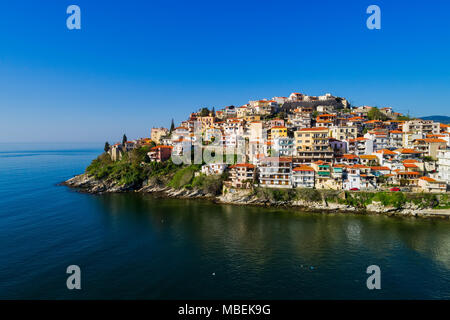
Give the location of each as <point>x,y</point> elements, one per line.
<point>242,175</point>
<point>428,184</point>
<point>160,153</point>
<point>303,177</point>
<point>430,146</point>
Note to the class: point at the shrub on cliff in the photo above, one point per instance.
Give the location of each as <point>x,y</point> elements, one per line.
<point>307,194</point>
<point>100,167</point>
<point>208,184</point>
<point>274,195</point>
<point>183,176</point>
<point>394,199</point>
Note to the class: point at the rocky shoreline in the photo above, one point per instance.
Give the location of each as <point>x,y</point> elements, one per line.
<point>89,184</point>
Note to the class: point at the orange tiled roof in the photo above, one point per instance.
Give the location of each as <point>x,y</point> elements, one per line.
<point>358,166</point>
<point>379,168</point>
<point>368,156</point>
<point>349,156</point>
<point>386,151</point>
<point>407,151</point>
<point>314,129</point>
<point>243,165</point>
<point>373,121</point>
<point>410,161</point>
<point>427,179</point>
<point>319,162</point>
<point>161,147</point>
<point>303,168</point>
<point>432,140</point>
<point>412,173</point>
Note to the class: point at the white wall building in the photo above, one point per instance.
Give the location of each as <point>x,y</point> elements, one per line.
<point>284,146</point>
<point>443,165</point>
<point>214,168</point>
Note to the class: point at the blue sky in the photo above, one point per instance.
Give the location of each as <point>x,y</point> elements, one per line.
<point>136,64</point>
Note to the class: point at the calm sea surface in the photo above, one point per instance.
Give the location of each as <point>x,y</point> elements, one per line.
<point>136,246</point>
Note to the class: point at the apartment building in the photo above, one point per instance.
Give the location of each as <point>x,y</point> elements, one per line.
<point>283,146</point>
<point>360,146</point>
<point>277,132</point>
<point>275,172</point>
<point>242,112</point>
<point>242,175</point>
<point>428,184</point>
<point>214,168</point>
<point>344,132</point>
<point>299,121</point>
<point>421,126</point>
<point>312,144</point>
<point>430,146</point>
<point>160,153</point>
<point>380,139</point>
<point>395,139</point>
<point>443,165</point>
<point>303,177</point>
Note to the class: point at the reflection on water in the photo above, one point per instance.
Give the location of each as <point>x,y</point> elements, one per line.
<point>288,244</point>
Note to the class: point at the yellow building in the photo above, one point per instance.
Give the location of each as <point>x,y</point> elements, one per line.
<point>206,122</point>
<point>157,133</point>
<point>344,132</point>
<point>241,112</point>
<point>312,144</point>
<point>278,132</point>
<point>251,118</point>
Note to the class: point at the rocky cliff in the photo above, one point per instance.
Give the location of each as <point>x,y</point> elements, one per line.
<point>89,184</point>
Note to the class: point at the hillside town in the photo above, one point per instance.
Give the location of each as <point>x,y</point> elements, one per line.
<point>303,141</point>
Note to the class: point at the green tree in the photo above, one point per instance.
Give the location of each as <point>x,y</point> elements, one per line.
<point>124,139</point>
<point>204,112</point>
<point>106,146</point>
<point>172,126</point>
<point>376,114</point>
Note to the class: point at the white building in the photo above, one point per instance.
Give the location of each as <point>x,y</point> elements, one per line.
<point>214,168</point>
<point>283,146</point>
<point>275,172</point>
<point>380,140</point>
<point>443,165</point>
<point>303,177</point>
<point>421,126</point>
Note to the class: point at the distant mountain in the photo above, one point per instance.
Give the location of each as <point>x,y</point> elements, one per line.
<point>441,119</point>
